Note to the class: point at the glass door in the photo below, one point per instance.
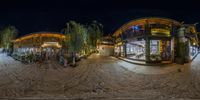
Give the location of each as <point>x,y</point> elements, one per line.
<point>160,50</point>
<point>155,50</point>
<point>165,50</point>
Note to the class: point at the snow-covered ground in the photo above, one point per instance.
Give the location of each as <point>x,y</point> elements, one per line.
<point>101,78</point>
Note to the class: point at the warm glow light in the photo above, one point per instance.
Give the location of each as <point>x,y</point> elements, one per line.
<point>104,45</point>
<point>51,44</point>
<point>40,35</point>
<point>118,44</point>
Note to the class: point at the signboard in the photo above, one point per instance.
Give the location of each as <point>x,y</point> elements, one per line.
<point>161,32</point>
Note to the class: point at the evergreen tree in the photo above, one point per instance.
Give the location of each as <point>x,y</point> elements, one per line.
<point>95,32</point>
<point>8,34</point>
<point>76,41</point>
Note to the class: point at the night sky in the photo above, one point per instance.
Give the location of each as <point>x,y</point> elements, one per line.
<point>51,15</point>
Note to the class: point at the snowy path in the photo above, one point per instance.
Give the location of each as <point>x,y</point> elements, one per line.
<point>96,78</point>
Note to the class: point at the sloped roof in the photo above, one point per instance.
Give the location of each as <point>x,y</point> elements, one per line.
<point>40,34</point>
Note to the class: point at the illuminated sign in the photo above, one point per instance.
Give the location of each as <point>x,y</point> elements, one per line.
<point>135,28</point>
<point>159,31</point>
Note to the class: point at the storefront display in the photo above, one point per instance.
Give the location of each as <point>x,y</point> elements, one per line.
<point>154,40</point>
<point>136,50</point>
<point>160,50</point>
<point>155,50</point>
<point>165,50</point>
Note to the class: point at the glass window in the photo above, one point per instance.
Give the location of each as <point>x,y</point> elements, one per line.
<point>160,50</point>
<point>136,50</point>
<point>193,51</point>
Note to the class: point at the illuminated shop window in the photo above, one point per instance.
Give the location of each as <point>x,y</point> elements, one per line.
<point>193,50</point>
<point>154,47</point>
<point>136,50</point>
<point>160,50</point>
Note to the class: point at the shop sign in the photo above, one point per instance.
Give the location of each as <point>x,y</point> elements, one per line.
<point>159,31</point>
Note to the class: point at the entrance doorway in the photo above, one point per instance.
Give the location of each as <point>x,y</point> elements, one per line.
<point>160,50</point>
<point>50,50</point>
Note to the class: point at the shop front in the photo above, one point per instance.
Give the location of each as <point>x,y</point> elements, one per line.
<point>193,43</point>
<point>149,40</point>
<point>37,45</point>
<point>160,50</point>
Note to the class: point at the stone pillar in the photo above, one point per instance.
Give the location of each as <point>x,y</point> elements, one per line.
<point>125,54</point>
<point>147,41</point>
<point>181,46</point>
<point>147,49</point>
